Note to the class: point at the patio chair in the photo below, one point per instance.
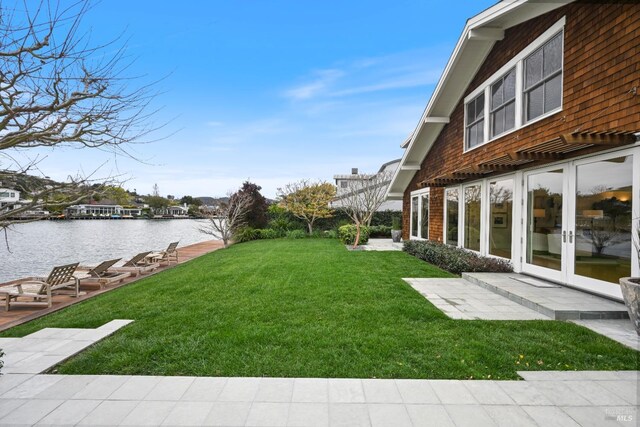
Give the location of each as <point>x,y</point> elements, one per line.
<point>39,290</point>
<point>101,275</point>
<point>168,255</point>
<point>139,264</point>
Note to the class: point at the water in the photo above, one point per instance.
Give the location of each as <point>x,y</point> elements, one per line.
<point>34,248</point>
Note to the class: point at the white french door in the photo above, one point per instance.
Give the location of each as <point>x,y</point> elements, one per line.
<point>578,219</point>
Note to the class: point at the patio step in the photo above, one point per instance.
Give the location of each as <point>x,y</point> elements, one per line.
<point>555,301</point>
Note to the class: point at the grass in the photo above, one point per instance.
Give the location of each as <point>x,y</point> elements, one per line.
<point>309,308</point>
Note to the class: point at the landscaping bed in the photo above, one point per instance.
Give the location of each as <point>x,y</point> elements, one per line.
<point>310,308</point>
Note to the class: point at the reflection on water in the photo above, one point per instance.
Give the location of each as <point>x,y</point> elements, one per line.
<point>38,246</point>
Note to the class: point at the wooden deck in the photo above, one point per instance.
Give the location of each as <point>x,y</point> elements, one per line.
<point>19,315</point>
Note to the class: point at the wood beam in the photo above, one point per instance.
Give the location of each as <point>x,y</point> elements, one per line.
<point>410,167</point>
<point>598,138</point>
<point>443,120</point>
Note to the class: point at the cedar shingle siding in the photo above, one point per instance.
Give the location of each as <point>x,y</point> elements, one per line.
<point>601,66</point>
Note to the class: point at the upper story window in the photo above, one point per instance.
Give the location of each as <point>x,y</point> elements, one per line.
<point>543,79</point>
<point>343,184</point>
<point>503,104</point>
<point>526,89</point>
<point>475,121</point>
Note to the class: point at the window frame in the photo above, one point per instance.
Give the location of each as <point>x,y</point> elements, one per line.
<point>419,195</point>
<point>516,62</point>
<point>503,105</point>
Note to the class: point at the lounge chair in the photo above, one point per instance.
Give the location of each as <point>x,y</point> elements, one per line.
<point>101,274</point>
<point>168,255</point>
<point>139,264</point>
<point>39,290</point>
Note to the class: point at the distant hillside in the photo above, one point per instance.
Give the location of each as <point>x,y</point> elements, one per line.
<point>23,182</point>
<point>212,201</point>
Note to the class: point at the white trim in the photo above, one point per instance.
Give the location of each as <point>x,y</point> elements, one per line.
<point>515,63</point>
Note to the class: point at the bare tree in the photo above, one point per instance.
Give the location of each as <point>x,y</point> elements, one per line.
<point>363,197</point>
<point>59,90</point>
<point>230,217</point>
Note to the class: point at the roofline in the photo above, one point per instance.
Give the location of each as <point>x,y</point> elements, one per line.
<point>482,20</point>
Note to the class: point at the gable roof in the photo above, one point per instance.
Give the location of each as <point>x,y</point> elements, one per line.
<point>476,41</point>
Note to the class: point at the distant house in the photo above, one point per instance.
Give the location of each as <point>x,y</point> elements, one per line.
<point>344,185</point>
<point>8,198</point>
<point>177,211</point>
<point>528,149</point>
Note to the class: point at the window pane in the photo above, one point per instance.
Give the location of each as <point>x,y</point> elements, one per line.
<point>510,85</point>
<point>533,69</point>
<point>424,228</point>
<point>501,217</point>
<point>472,217</point>
<point>553,55</point>
<point>534,103</point>
<point>471,141</point>
<point>496,94</point>
<point>452,217</point>
<point>510,116</point>
<point>471,112</point>
<point>498,122</point>
<point>480,106</point>
<point>414,216</point>
<point>604,199</point>
<point>552,93</point>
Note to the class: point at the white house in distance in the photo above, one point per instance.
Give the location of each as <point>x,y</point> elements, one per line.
<point>343,184</point>
<point>8,198</point>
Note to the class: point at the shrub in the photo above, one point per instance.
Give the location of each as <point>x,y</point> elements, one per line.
<point>347,234</point>
<point>331,234</point>
<point>269,233</point>
<point>380,231</point>
<point>296,234</point>
<point>453,259</point>
<point>245,234</point>
<point>396,223</point>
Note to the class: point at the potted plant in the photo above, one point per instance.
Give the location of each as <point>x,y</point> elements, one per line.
<point>396,229</point>
<point>631,288</point>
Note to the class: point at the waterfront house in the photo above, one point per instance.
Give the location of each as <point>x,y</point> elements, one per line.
<point>8,198</point>
<point>345,183</point>
<point>528,147</point>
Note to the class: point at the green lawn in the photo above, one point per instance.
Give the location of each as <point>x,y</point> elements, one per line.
<point>310,308</point>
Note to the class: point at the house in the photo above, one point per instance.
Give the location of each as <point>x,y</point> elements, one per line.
<point>346,183</point>
<point>8,198</point>
<point>528,148</point>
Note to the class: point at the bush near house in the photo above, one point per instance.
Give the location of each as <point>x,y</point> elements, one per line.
<point>453,259</point>
<point>347,234</point>
<point>380,231</point>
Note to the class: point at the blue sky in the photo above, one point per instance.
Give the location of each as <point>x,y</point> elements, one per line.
<point>272,91</point>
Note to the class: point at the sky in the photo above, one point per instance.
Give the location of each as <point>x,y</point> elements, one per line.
<point>269,91</point>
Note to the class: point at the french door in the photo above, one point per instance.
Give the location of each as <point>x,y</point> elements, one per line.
<point>578,221</point>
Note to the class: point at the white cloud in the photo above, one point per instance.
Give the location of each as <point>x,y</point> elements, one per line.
<point>323,79</point>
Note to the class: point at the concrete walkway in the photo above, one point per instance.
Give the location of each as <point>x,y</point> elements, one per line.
<point>545,398</point>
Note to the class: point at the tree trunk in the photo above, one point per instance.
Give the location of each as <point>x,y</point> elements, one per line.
<point>310,225</point>
<point>357,241</point>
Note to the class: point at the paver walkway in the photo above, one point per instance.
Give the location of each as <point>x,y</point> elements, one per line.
<point>545,398</point>
<point>23,314</point>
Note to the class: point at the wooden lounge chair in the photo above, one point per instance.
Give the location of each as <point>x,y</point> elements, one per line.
<point>167,256</point>
<point>139,264</point>
<point>39,290</point>
<point>101,274</point>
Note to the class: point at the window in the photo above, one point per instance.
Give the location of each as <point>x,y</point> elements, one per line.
<point>475,121</point>
<point>424,218</point>
<point>503,104</point>
<point>527,88</point>
<point>343,184</point>
<point>414,216</point>
<point>420,214</point>
<point>543,79</point>
<point>452,216</point>
<point>472,209</point>
<point>500,217</point>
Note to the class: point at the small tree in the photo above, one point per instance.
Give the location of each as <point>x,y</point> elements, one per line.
<point>256,216</point>
<point>307,201</point>
<point>364,196</point>
<point>230,217</point>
